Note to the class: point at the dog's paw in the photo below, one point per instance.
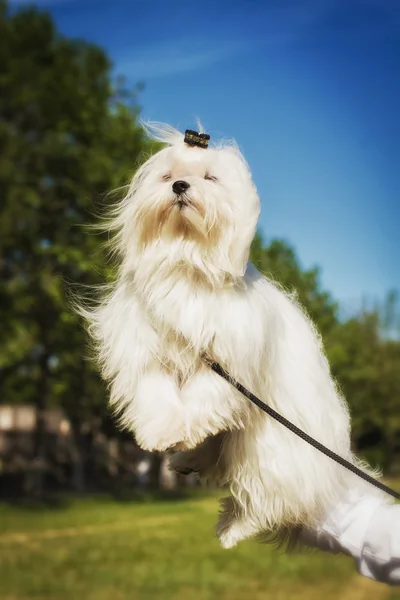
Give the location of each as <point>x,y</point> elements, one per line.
<point>159,444</point>
<point>153,436</point>
<point>183,463</point>
<point>179,447</point>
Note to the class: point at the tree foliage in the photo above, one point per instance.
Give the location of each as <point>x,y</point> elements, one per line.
<point>367,366</point>
<point>69,135</point>
<point>278,261</point>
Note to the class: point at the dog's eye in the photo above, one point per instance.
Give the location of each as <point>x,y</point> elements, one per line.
<point>210,177</point>
<point>167,177</point>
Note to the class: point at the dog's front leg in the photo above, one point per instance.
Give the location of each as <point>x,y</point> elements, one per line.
<point>157,413</point>
<point>211,406</point>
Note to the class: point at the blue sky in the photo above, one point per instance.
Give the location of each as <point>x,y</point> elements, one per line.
<point>310,89</point>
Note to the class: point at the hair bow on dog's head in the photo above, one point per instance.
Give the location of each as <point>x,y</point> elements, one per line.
<point>194,138</point>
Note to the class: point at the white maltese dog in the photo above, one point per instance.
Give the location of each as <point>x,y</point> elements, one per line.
<point>184,289</point>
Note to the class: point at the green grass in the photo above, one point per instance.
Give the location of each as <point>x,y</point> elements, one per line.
<point>164,550</point>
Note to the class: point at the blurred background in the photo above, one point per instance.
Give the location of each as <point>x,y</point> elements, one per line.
<point>310,89</point>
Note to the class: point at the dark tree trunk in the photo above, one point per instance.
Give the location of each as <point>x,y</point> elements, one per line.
<point>390,452</point>
<point>78,474</point>
<point>81,441</point>
<point>155,470</point>
<point>36,482</point>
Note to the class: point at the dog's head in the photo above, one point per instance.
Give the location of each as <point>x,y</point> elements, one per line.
<point>198,200</point>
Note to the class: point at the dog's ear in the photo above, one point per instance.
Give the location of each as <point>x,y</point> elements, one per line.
<point>236,249</point>
<point>240,249</point>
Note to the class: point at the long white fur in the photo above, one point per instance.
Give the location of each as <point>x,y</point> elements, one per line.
<point>185,287</point>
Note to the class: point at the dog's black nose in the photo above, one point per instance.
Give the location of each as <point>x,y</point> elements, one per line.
<point>180,186</point>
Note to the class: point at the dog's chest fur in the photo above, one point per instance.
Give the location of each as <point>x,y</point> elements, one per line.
<point>177,357</point>
<point>192,320</point>
<point>186,321</point>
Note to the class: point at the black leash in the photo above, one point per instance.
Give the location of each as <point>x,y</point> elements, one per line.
<point>272,413</point>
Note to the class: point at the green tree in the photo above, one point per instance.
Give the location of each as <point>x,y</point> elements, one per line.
<point>367,366</point>
<point>389,315</point>
<point>68,135</point>
<point>278,261</point>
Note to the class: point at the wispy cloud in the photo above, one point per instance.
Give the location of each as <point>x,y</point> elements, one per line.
<point>267,27</point>
<point>172,57</point>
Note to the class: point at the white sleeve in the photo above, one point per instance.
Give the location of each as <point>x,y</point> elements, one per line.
<point>366,528</point>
